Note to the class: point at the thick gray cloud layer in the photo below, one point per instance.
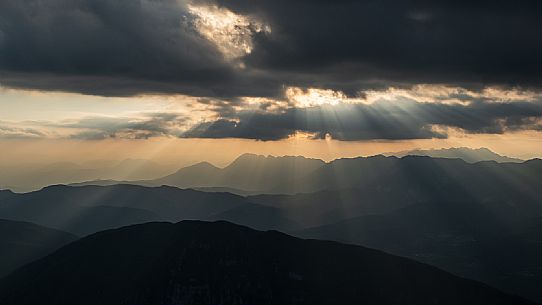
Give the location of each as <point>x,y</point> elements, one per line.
<point>107,47</point>
<point>127,47</point>
<point>382,120</point>
<point>406,41</point>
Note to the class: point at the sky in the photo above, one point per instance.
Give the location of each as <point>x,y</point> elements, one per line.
<point>179,81</point>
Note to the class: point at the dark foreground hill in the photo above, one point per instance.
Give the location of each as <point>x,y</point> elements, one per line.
<point>220,263</point>
<point>22,242</point>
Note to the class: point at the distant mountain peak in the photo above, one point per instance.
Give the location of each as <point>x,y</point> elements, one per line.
<point>203,167</point>
<point>249,157</point>
<point>203,164</point>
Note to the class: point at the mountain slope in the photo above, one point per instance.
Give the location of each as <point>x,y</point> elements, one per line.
<point>22,242</point>
<point>221,263</point>
<point>465,238</point>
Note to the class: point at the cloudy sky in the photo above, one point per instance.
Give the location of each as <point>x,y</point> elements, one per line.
<point>210,79</point>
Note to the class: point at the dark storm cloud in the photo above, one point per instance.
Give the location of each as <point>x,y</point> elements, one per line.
<point>107,47</point>
<point>468,43</point>
<point>127,47</point>
<point>384,120</point>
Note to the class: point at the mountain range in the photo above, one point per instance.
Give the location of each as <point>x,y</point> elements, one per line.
<point>327,193</point>
<point>204,175</point>
<point>253,175</point>
<point>477,220</point>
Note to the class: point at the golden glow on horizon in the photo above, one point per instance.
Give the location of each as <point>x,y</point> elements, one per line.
<point>41,114</point>
<point>182,152</point>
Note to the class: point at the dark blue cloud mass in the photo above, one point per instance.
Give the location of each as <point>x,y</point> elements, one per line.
<point>128,47</point>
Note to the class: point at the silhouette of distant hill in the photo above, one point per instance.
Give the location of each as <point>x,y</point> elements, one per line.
<point>248,172</point>
<point>23,242</point>
<point>467,154</point>
<point>88,209</point>
<point>221,263</point>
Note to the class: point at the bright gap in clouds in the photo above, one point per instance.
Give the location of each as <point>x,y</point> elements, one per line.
<point>424,93</point>
<point>310,97</point>
<point>82,117</point>
<point>229,32</point>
